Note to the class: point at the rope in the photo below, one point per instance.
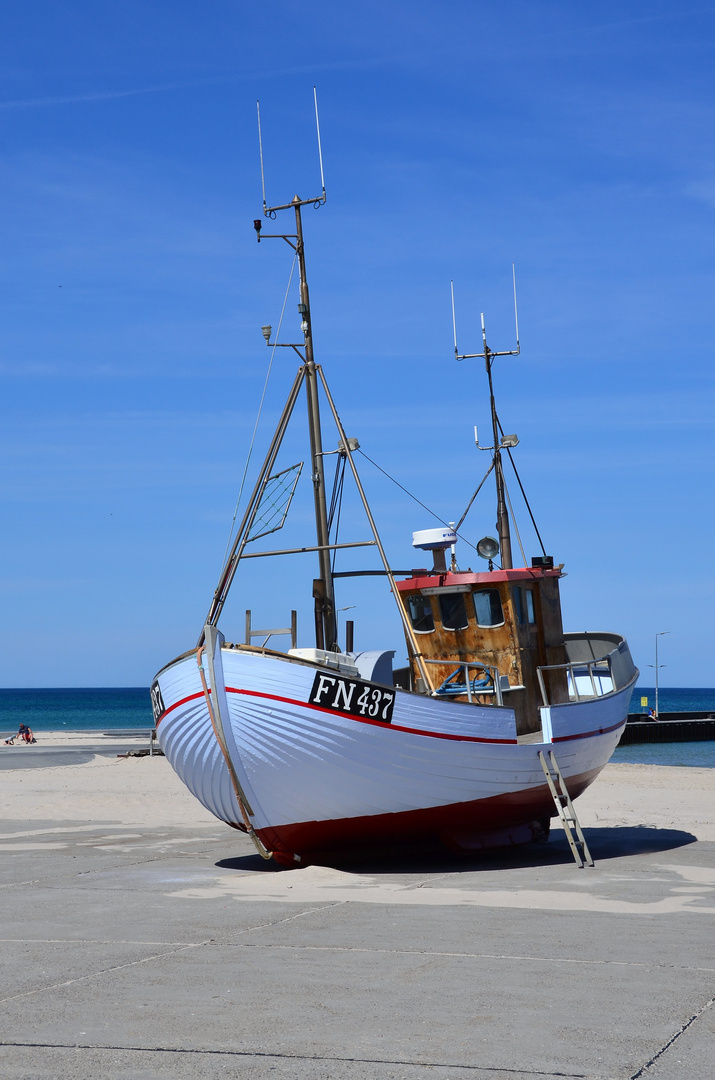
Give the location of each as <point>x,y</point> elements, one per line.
<point>260,409</point>
<point>262,851</point>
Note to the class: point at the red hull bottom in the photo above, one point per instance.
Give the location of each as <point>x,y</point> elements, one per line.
<point>518,817</point>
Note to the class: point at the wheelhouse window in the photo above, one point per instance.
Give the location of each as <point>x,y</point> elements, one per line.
<point>487,605</point>
<point>420,610</point>
<point>453,611</point>
<point>530,613</point>
<point>518,604</point>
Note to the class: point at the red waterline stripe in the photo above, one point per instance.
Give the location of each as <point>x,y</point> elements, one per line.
<point>589,734</point>
<point>395,727</point>
<point>191,697</point>
<point>347,716</point>
<point>366,720</point>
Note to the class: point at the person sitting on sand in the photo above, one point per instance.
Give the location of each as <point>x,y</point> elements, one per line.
<point>25,733</point>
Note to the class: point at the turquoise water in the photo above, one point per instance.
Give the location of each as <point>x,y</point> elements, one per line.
<point>111,709</point>
<point>92,709</point>
<point>678,699</point>
<point>701,754</point>
<point>671,699</point>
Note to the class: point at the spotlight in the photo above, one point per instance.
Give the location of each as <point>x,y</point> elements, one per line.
<point>488,547</point>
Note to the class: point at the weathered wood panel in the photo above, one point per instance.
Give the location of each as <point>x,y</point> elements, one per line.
<point>517,648</point>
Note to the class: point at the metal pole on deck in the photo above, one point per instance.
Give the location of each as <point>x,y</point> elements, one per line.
<point>324,594</point>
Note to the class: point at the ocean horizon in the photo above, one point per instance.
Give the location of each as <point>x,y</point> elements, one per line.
<point>124,708</point>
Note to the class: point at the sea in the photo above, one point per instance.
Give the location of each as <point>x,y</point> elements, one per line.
<point>123,708</point>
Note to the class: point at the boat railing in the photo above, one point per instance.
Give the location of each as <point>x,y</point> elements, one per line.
<point>596,673</point>
<point>586,670</point>
<point>465,665</point>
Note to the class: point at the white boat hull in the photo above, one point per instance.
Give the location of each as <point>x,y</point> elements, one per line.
<point>320,780</point>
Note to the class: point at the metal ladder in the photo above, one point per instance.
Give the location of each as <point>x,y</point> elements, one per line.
<point>562,801</point>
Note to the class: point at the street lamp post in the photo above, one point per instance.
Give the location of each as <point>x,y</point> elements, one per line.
<point>657,666</point>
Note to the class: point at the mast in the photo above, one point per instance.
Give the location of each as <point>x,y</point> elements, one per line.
<point>310,373</point>
<point>503,530</point>
<point>323,588</point>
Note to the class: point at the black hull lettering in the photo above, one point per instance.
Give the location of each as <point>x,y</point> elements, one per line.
<point>364,700</point>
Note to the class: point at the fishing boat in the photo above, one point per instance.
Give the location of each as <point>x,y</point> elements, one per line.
<point>320,751</point>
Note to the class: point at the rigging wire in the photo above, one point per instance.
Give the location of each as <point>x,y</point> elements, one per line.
<point>469,504</point>
<point>260,409</point>
<point>418,501</point>
<point>336,500</point>
<point>523,493</point>
<point>513,518</point>
<point>336,492</point>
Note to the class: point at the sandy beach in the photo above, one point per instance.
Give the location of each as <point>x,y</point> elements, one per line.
<point>109,790</point>
<point>143,791</point>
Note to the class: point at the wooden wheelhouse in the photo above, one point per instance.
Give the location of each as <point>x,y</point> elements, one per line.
<point>483,637</point>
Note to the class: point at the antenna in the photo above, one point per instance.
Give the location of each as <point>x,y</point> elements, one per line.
<point>260,151</point>
<point>320,149</point>
<point>454,323</point>
<point>488,353</point>
<point>317,200</point>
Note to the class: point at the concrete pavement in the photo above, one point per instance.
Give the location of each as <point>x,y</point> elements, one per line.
<point>177,952</point>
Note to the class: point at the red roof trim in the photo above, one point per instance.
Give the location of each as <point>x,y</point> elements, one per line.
<point>495,577</point>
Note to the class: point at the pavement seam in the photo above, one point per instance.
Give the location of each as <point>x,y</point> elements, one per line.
<point>183,944</point>
<point>103,971</point>
<point>346,948</point>
<point>463,955</point>
<point>279,922</point>
<point>95,941</point>
<point>155,956</point>
<point>492,1070</point>
<point>666,1046</point>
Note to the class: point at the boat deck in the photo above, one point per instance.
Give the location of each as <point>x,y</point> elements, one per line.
<point>530,737</point>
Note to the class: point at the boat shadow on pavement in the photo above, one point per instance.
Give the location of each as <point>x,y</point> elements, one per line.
<point>605,843</point>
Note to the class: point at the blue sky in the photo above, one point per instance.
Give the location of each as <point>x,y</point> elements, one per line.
<point>575,140</point>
